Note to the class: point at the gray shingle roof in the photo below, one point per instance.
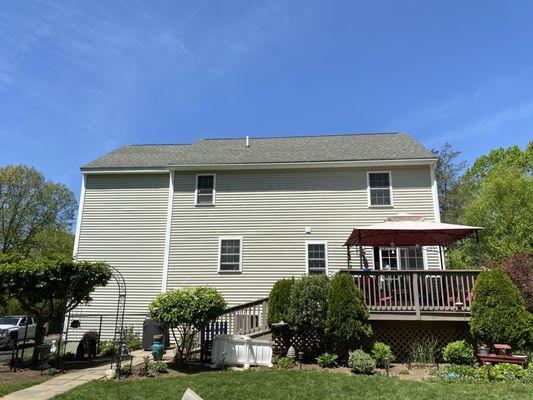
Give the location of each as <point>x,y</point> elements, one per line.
<point>357,147</point>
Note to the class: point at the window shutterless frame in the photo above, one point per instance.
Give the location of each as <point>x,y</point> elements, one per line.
<point>229,271</point>
<point>196,203</point>
<point>321,242</point>
<point>398,256</point>
<point>369,189</point>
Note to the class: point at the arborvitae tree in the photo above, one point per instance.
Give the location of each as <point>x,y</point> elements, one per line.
<point>498,311</point>
<point>278,301</point>
<point>347,316</point>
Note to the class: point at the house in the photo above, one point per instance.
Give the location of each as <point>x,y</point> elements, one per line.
<point>240,214</point>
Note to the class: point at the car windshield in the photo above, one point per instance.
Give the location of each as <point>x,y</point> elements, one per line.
<point>8,321</point>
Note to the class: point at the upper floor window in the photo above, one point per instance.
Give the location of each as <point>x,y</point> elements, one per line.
<point>230,254</point>
<point>205,189</point>
<point>379,189</point>
<point>317,257</point>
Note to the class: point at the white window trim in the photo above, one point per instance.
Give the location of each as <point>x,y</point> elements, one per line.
<point>220,239</point>
<point>325,243</point>
<point>398,259</point>
<point>214,191</point>
<point>370,205</point>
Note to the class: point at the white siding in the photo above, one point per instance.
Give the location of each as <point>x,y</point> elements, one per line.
<point>123,223</point>
<point>270,210</point>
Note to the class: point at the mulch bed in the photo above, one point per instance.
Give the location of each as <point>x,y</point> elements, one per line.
<point>22,375</point>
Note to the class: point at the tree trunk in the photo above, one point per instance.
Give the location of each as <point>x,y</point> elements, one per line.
<point>39,338</point>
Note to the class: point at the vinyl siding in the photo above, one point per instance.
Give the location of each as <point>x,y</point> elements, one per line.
<point>123,223</point>
<point>270,210</point>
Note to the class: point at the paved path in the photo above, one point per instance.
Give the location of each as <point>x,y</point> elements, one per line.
<point>65,382</point>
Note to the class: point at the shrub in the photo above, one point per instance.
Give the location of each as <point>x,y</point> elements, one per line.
<point>498,311</point>
<point>327,360</point>
<point>279,300</point>
<point>347,315</point>
<point>186,312</point>
<point>361,362</point>
<point>508,372</point>
<point>285,362</point>
<point>125,370</point>
<point>519,267</point>
<point>423,351</point>
<point>455,373</point>
<point>458,352</point>
<point>107,348</point>
<point>51,371</point>
<point>158,367</point>
<point>132,341</point>
<point>308,305</point>
<point>382,353</point>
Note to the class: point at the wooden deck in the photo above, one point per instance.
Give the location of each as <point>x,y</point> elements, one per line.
<point>415,295</point>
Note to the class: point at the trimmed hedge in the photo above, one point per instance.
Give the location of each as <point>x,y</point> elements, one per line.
<point>308,305</point>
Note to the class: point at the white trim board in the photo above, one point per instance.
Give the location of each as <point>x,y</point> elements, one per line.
<point>80,217</point>
<point>168,230</point>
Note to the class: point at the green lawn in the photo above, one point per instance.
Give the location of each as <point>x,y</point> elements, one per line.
<point>6,388</point>
<point>277,384</point>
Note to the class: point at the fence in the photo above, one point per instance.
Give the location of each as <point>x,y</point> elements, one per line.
<point>76,325</point>
<point>246,319</point>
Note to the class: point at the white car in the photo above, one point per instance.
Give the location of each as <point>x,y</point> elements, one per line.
<point>17,323</point>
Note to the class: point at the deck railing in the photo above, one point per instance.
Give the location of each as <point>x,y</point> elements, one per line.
<point>246,319</point>
<point>415,291</point>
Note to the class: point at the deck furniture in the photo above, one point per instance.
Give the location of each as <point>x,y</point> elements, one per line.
<point>502,358</point>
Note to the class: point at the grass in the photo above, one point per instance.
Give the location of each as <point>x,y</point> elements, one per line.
<point>6,388</point>
<point>277,384</point>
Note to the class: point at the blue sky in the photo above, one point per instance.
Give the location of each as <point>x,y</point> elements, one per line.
<point>80,78</point>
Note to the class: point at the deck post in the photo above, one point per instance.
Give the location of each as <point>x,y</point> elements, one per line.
<point>416,293</point>
<point>478,249</point>
<point>360,252</point>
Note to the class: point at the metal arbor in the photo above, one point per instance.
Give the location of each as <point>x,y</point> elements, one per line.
<point>118,328</point>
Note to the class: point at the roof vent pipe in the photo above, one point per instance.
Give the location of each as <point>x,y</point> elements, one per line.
<point>247,141</point>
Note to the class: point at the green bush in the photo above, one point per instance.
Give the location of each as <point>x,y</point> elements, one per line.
<point>423,351</point>
<point>308,305</point>
<point>498,311</point>
<point>51,371</point>
<point>131,339</point>
<point>508,372</point>
<point>285,363</point>
<point>107,348</point>
<point>382,353</point>
<point>125,370</point>
<point>361,362</point>
<point>186,312</point>
<point>158,367</point>
<point>134,344</point>
<point>458,352</point>
<point>279,300</point>
<point>455,374</point>
<point>347,315</point>
<point>327,360</point>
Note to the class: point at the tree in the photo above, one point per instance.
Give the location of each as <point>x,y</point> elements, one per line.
<point>347,315</point>
<point>307,310</point>
<point>519,267</point>
<point>498,311</point>
<point>29,205</point>
<point>42,287</point>
<point>186,312</point>
<point>279,301</point>
<point>448,178</point>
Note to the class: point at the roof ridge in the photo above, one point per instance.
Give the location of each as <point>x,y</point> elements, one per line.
<point>158,144</point>
<point>306,136</point>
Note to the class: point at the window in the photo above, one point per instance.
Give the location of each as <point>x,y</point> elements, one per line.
<point>230,254</point>
<point>205,189</point>
<point>379,189</point>
<point>401,258</point>
<point>317,257</point>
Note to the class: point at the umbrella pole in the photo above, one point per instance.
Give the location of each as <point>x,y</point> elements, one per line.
<point>478,249</point>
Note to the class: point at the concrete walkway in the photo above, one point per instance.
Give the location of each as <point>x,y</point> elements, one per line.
<point>64,382</point>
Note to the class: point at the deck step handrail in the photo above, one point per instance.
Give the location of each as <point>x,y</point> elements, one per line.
<point>246,319</point>
<point>416,291</point>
